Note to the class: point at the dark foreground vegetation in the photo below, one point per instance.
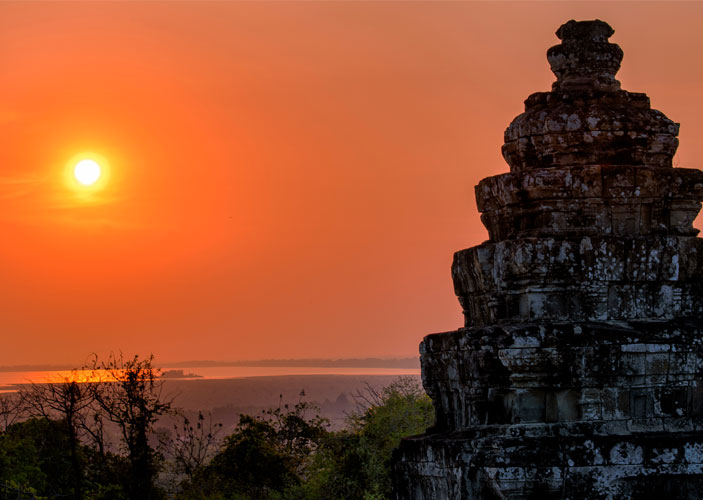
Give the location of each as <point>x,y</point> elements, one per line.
<point>101,440</point>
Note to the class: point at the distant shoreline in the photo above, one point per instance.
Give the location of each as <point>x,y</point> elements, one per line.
<point>317,363</point>
<point>413,362</point>
<point>12,381</point>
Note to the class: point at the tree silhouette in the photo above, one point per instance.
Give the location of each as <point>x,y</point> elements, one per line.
<point>65,400</point>
<point>129,393</point>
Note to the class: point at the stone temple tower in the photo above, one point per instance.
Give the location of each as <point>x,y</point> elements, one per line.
<point>579,371</point>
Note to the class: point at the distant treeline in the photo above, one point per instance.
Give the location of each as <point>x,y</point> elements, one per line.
<point>413,362</point>
<point>331,363</point>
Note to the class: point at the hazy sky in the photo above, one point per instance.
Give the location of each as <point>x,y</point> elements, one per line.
<point>288,179</point>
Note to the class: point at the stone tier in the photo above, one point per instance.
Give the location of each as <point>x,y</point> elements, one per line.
<point>587,278</point>
<point>611,128</point>
<point>591,200</point>
<point>636,375</point>
<point>585,59</point>
<point>551,463</point>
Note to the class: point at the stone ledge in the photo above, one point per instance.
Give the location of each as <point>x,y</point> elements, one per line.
<point>550,468</point>
<point>619,200</point>
<point>566,373</point>
<point>591,127</point>
<point>580,278</point>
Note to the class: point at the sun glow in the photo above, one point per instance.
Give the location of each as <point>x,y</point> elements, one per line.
<point>87,172</point>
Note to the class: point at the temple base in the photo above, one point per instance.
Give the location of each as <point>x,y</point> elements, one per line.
<point>512,465</point>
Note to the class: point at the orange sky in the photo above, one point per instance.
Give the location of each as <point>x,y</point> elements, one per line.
<point>289,179</point>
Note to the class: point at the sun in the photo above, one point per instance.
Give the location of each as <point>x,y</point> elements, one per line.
<point>87,172</point>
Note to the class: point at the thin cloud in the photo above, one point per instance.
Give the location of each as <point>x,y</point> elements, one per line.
<point>19,187</point>
<point>34,198</point>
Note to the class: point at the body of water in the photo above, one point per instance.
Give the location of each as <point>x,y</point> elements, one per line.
<point>9,380</point>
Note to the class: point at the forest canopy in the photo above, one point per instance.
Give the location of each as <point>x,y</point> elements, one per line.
<point>99,440</point>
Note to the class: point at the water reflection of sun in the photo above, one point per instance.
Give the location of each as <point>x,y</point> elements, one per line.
<point>79,376</point>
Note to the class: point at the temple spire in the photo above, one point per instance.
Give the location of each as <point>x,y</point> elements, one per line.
<point>587,119</point>
<point>578,373</point>
<point>585,60</point>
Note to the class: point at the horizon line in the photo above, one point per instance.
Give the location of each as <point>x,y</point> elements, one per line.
<point>370,362</point>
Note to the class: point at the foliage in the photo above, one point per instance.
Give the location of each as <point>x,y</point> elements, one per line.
<point>355,463</point>
<point>34,457</point>
<point>130,397</point>
<point>265,456</point>
<point>36,460</point>
<point>106,475</point>
<point>11,410</point>
<point>62,449</point>
<point>65,401</point>
<point>188,447</point>
<point>284,453</point>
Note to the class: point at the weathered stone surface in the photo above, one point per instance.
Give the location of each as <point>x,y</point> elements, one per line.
<point>571,129</point>
<point>555,465</point>
<point>601,199</point>
<point>596,278</point>
<point>586,119</point>
<point>566,372</point>
<point>579,371</point>
<point>585,60</point>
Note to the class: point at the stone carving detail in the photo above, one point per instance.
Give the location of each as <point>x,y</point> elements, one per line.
<point>579,371</point>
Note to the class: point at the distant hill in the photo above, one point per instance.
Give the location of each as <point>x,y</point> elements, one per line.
<point>36,368</point>
<point>413,362</point>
